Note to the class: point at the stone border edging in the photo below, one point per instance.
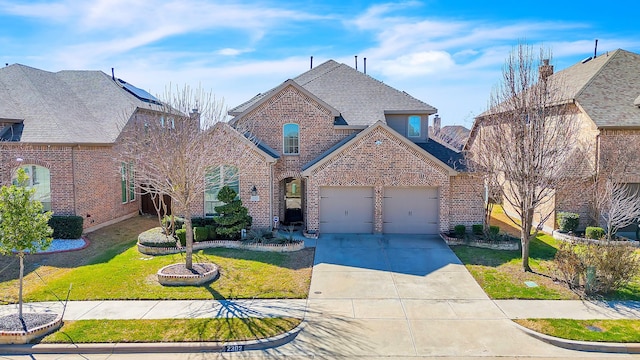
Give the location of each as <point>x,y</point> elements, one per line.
<point>604,347</point>
<point>495,245</point>
<point>566,237</point>
<point>22,337</point>
<point>186,280</point>
<point>233,244</point>
<point>126,348</point>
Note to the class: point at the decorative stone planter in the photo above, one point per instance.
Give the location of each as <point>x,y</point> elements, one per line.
<point>494,245</point>
<point>566,237</point>
<point>178,275</point>
<point>233,244</point>
<point>25,337</point>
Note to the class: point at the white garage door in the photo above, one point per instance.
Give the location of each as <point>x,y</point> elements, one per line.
<point>346,209</point>
<point>411,210</point>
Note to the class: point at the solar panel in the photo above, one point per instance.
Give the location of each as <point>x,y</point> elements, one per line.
<point>139,93</point>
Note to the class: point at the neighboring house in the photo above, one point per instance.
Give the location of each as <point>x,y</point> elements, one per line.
<point>454,136</point>
<point>61,128</point>
<point>604,94</point>
<point>337,151</point>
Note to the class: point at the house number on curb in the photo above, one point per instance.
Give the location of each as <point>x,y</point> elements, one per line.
<point>233,348</point>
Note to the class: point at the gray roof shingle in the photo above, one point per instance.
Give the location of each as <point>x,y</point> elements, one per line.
<point>360,99</point>
<point>67,106</point>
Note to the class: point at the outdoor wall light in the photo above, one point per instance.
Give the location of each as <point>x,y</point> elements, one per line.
<point>19,159</point>
<point>378,142</point>
<point>254,191</point>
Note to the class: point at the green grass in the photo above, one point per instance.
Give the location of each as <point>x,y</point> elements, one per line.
<point>623,331</point>
<point>112,268</point>
<point>500,273</point>
<point>124,273</point>
<point>170,330</point>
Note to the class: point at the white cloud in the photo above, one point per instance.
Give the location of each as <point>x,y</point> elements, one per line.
<point>418,63</point>
<point>232,51</point>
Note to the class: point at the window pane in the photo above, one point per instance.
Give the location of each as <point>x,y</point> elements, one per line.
<point>132,183</point>
<point>123,181</point>
<point>291,133</point>
<point>414,126</point>
<point>216,178</point>
<point>40,180</point>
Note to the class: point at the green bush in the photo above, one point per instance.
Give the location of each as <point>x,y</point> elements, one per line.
<point>200,233</point>
<point>178,222</point>
<point>233,215</point>
<point>593,232</point>
<point>494,230</point>
<point>477,229</point>
<point>66,226</point>
<point>182,236</point>
<point>460,231</point>
<point>568,222</point>
<point>211,232</point>
<point>202,221</point>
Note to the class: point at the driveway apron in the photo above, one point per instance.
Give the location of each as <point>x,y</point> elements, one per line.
<point>403,296</point>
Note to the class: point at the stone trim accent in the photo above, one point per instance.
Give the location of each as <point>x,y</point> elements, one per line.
<point>186,280</point>
<point>494,245</point>
<point>232,244</point>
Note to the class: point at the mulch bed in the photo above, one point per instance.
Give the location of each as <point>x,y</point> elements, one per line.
<point>180,269</point>
<point>31,320</point>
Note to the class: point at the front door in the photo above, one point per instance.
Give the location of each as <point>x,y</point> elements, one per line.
<point>293,201</point>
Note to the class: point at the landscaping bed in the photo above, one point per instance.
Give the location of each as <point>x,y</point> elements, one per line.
<point>619,331</point>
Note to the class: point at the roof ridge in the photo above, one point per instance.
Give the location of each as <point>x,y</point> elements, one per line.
<point>605,64</point>
<point>320,73</point>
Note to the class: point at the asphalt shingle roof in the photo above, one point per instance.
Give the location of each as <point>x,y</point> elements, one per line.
<point>360,99</point>
<point>66,106</point>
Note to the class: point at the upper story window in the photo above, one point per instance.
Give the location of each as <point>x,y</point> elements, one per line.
<point>39,179</point>
<point>414,126</point>
<point>291,139</point>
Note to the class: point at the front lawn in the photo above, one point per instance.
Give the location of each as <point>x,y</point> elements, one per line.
<point>119,271</point>
<point>170,330</point>
<point>623,331</point>
<point>500,273</point>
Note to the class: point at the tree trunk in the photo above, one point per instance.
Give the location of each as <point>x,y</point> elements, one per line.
<point>189,241</point>
<point>21,256</point>
<point>525,237</point>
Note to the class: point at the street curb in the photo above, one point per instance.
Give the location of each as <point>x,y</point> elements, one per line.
<point>592,346</point>
<point>177,347</point>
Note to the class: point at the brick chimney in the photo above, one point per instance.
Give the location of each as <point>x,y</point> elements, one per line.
<point>545,69</point>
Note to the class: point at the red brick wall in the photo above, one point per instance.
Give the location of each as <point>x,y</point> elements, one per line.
<point>85,180</point>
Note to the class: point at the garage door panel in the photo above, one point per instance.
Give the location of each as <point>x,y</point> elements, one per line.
<point>411,210</point>
<point>346,209</point>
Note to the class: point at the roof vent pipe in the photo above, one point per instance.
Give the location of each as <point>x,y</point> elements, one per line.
<point>595,51</point>
<point>365,65</point>
<point>311,65</point>
<point>113,75</point>
<point>356,62</point>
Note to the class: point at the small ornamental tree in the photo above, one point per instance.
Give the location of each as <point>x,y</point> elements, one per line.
<point>23,225</point>
<point>233,216</point>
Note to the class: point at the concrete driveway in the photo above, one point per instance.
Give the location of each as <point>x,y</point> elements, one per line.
<point>404,296</point>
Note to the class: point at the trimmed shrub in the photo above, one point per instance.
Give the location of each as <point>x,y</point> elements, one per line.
<point>460,231</point>
<point>477,229</point>
<point>494,230</point>
<point>178,222</point>
<point>568,222</point>
<point>593,232</point>
<point>211,232</point>
<point>202,221</point>
<point>233,215</point>
<point>182,236</point>
<point>66,226</point>
<point>200,233</point>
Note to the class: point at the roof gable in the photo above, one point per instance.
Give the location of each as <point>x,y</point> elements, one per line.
<point>360,99</point>
<point>339,148</point>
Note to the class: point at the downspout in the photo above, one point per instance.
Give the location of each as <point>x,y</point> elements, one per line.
<point>271,194</point>
<point>73,179</point>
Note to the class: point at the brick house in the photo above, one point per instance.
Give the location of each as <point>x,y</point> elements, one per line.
<point>337,151</point>
<point>603,93</point>
<point>61,128</point>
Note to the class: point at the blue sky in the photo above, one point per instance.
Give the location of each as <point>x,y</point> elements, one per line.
<point>446,53</point>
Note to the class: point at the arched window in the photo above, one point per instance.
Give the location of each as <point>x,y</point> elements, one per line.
<point>39,179</point>
<point>216,178</point>
<point>291,139</point>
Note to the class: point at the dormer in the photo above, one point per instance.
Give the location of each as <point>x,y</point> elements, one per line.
<point>413,125</point>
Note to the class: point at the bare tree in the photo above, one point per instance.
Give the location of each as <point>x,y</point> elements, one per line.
<point>172,148</point>
<point>618,205</point>
<point>526,141</point>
